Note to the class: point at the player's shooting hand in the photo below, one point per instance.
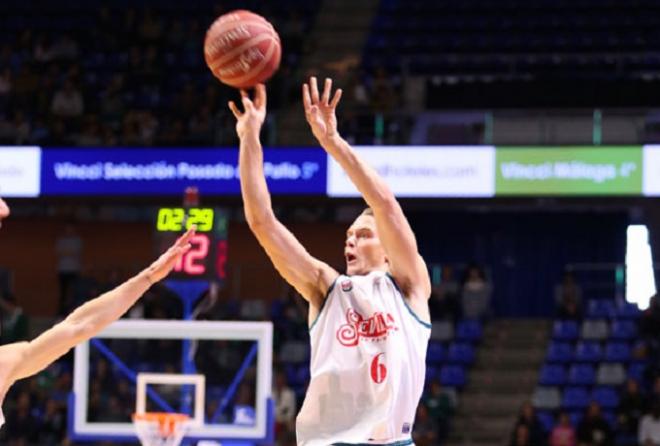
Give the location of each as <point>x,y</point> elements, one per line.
<point>251,120</point>
<point>320,110</point>
<point>164,264</point>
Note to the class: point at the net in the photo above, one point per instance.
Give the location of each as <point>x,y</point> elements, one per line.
<point>160,428</point>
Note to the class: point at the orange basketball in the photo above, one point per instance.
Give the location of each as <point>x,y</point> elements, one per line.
<point>242,49</point>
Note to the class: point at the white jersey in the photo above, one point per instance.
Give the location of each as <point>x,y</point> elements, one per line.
<point>367,365</point>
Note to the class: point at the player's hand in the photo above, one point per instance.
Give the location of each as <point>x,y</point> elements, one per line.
<point>164,264</point>
<point>251,120</point>
<point>4,211</point>
<point>320,111</point>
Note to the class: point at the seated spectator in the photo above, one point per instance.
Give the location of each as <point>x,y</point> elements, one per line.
<point>521,436</point>
<point>67,102</point>
<point>649,427</point>
<point>426,428</point>
<point>631,408</point>
<point>285,405</point>
<point>594,430</point>
<point>527,417</point>
<point>563,433</point>
<point>441,403</point>
<point>568,297</point>
<point>475,295</point>
<point>444,297</point>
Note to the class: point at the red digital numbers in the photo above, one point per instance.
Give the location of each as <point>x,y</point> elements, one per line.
<point>378,369</point>
<point>193,262</point>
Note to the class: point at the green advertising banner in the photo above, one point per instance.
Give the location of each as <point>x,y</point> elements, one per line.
<point>568,170</point>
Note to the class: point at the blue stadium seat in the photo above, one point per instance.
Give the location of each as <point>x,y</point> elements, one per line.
<point>627,311</point>
<point>565,330</point>
<point>559,352</point>
<point>547,419</point>
<point>432,373</point>
<point>452,376</point>
<point>611,419</point>
<point>435,353</point>
<point>303,374</point>
<point>469,330</point>
<point>461,353</point>
<point>607,397</point>
<point>617,352</point>
<point>575,398</point>
<point>552,375</point>
<point>582,374</point>
<point>636,371</point>
<point>601,308</point>
<point>588,352</point>
<point>623,330</point>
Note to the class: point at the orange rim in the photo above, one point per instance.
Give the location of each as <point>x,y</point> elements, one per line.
<point>167,422</point>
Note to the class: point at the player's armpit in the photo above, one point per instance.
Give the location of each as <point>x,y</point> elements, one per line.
<point>308,275</point>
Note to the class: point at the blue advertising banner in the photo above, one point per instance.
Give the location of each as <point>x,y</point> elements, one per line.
<point>169,171</point>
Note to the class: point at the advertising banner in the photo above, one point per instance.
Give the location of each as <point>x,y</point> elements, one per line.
<point>19,171</point>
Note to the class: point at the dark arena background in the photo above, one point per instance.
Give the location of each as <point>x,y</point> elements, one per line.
<point>522,139</point>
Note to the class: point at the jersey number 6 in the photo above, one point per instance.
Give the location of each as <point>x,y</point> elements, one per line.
<point>378,369</point>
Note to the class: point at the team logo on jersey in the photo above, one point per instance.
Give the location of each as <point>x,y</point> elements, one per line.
<point>374,328</point>
<point>346,286</point>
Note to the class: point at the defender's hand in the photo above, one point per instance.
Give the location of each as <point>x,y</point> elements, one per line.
<point>320,111</point>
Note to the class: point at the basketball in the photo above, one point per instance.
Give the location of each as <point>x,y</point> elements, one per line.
<point>242,49</point>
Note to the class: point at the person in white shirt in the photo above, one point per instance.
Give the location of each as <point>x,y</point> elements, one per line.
<point>22,359</point>
<point>369,328</point>
<point>285,402</point>
<point>649,427</point>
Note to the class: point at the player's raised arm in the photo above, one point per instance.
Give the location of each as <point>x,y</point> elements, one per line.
<point>405,263</point>
<point>4,210</point>
<point>92,317</point>
<point>308,275</point>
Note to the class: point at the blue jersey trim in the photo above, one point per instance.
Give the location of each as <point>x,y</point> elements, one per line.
<point>410,310</point>
<point>396,443</point>
<point>327,295</point>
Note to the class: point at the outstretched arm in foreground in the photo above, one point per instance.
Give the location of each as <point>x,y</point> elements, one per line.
<point>4,210</point>
<point>308,275</point>
<point>92,317</point>
<point>398,239</point>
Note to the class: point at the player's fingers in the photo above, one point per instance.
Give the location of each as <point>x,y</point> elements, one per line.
<point>244,93</point>
<point>307,100</point>
<point>247,103</point>
<point>314,90</point>
<point>336,98</point>
<point>234,109</point>
<point>261,97</point>
<point>327,87</point>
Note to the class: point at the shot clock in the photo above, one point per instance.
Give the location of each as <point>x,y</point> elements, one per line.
<point>207,257</point>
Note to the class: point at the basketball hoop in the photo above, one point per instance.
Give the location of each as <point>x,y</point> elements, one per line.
<point>161,428</point>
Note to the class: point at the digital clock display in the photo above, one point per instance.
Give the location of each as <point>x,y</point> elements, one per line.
<point>208,254</point>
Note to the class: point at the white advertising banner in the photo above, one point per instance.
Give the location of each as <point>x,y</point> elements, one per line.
<point>423,171</point>
<point>651,171</point>
<point>20,171</point>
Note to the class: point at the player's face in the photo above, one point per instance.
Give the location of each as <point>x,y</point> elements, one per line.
<point>363,251</point>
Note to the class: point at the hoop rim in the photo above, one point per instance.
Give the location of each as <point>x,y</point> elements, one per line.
<point>161,417</point>
<point>170,424</point>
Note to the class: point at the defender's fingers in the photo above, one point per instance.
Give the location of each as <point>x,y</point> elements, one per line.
<point>314,90</point>
<point>336,98</point>
<point>327,87</point>
<point>307,100</point>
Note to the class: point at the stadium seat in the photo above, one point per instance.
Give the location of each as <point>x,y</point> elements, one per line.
<point>461,353</point>
<point>617,352</point>
<point>575,398</point>
<point>559,352</point>
<point>596,329</point>
<point>607,397</point>
<point>601,308</point>
<point>547,419</point>
<point>611,374</point>
<point>588,352</point>
<point>452,376</point>
<point>623,330</point>
<point>432,373</point>
<point>636,371</point>
<point>442,331</point>
<point>552,375</point>
<point>435,353</point>
<point>294,352</point>
<point>575,417</point>
<point>547,398</point>
<point>582,374</point>
<point>627,311</point>
<point>469,330</point>
<point>565,330</point>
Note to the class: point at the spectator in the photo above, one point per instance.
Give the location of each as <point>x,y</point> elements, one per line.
<point>649,427</point>
<point>285,404</point>
<point>69,252</point>
<point>475,294</point>
<point>563,433</point>
<point>568,297</point>
<point>521,436</point>
<point>22,426</point>
<point>444,297</point>
<point>631,408</point>
<point>426,428</point>
<point>441,403</point>
<point>67,102</point>
<point>649,323</point>
<point>534,432</point>
<point>53,425</point>
<point>594,430</point>
<point>14,322</point>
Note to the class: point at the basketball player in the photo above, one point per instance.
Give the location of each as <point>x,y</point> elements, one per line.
<point>369,328</point>
<point>23,359</point>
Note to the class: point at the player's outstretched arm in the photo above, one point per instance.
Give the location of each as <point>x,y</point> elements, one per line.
<point>4,210</point>
<point>92,317</point>
<point>398,239</point>
<point>308,275</point>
